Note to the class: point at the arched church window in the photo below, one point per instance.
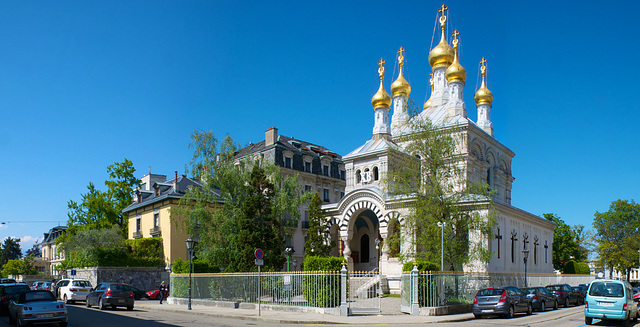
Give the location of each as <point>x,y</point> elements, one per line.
<point>364,248</point>
<point>375,173</point>
<point>358,176</point>
<point>489,176</point>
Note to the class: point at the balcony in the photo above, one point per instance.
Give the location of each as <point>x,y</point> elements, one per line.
<point>155,231</point>
<point>137,234</point>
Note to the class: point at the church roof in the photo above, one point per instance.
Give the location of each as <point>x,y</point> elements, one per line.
<point>373,146</point>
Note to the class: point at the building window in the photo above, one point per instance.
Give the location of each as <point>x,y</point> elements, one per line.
<point>326,195</point>
<point>156,219</point>
<point>307,188</point>
<point>341,174</point>
<point>287,162</point>
<point>325,170</point>
<point>307,166</point>
<point>375,173</point>
<point>138,224</point>
<point>358,176</point>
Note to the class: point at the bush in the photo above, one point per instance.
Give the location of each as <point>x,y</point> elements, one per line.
<point>426,284</point>
<point>576,267</point>
<point>149,247</point>
<point>422,266</point>
<point>322,290</point>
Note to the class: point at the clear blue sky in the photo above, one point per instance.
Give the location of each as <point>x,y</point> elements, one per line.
<point>84,84</point>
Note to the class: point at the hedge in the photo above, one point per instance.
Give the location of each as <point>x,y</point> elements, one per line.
<point>322,290</point>
<point>422,266</point>
<point>426,285</point>
<point>576,267</point>
<point>180,266</point>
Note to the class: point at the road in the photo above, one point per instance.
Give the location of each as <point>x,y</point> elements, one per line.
<point>80,316</point>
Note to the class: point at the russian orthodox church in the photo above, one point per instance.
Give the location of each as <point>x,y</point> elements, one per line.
<point>366,214</point>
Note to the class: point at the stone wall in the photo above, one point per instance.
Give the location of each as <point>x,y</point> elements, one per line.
<point>143,278</point>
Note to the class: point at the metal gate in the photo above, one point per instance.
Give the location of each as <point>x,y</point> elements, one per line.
<point>364,293</point>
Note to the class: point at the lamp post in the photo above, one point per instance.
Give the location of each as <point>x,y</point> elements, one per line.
<point>441,224</point>
<point>190,245</point>
<point>288,252</point>
<point>525,254</point>
<point>377,241</point>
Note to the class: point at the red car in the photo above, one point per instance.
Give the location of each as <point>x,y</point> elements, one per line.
<point>155,295</point>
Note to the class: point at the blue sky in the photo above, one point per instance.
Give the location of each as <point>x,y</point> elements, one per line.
<point>84,84</point>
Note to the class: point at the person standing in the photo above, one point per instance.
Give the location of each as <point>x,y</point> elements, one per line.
<point>163,290</point>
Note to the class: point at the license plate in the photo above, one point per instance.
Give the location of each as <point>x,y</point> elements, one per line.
<point>120,300</point>
<point>83,290</point>
<point>605,304</point>
<point>487,311</point>
<point>45,315</point>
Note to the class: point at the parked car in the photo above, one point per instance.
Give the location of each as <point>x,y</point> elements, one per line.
<point>37,307</point>
<point>111,294</point>
<point>506,301</point>
<point>45,286</point>
<point>610,299</point>
<point>155,295</point>
<point>541,298</point>
<point>582,293</point>
<point>138,293</point>
<point>7,281</point>
<point>72,290</point>
<point>8,293</point>
<point>564,293</point>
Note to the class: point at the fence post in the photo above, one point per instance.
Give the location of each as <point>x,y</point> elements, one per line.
<point>344,309</point>
<point>415,306</point>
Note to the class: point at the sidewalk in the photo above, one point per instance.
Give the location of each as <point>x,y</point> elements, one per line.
<point>284,317</point>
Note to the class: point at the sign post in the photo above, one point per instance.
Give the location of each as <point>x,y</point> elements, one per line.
<point>259,262</point>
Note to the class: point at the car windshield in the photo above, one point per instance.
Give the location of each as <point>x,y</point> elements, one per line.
<point>16,289</point>
<point>554,288</point>
<point>120,287</point>
<point>490,292</point>
<point>81,283</point>
<point>37,296</point>
<point>529,290</point>
<point>606,289</point>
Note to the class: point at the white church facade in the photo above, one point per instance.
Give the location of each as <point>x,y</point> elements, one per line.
<point>361,218</point>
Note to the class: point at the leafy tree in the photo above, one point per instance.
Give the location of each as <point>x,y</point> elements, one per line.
<point>10,250</point>
<point>319,241</point>
<point>35,251</point>
<point>240,206</point>
<point>568,242</point>
<point>433,179</point>
<point>617,235</point>
<point>25,266</point>
<point>100,209</point>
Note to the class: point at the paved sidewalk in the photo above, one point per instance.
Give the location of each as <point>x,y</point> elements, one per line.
<point>283,317</point>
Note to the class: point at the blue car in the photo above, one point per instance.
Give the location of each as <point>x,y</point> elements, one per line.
<point>610,300</point>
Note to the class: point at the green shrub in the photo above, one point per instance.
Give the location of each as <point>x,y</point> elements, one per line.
<point>148,247</point>
<point>322,290</point>
<point>180,266</point>
<point>576,267</point>
<point>422,266</point>
<point>426,284</point>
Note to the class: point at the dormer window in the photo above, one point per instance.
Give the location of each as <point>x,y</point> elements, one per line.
<point>288,159</point>
<point>325,170</point>
<point>287,162</point>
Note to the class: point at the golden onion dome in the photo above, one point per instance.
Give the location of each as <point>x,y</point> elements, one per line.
<point>455,72</point>
<point>483,95</point>
<point>442,55</point>
<point>428,103</point>
<point>400,86</point>
<point>381,98</point>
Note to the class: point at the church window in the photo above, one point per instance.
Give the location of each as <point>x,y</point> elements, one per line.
<point>489,176</point>
<point>364,248</point>
<point>375,173</point>
<point>326,195</point>
<point>358,176</point>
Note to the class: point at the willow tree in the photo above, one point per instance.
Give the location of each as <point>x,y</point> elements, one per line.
<point>241,204</point>
<point>429,176</point>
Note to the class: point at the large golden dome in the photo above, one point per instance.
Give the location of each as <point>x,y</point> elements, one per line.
<point>442,55</point>
<point>400,86</point>
<point>483,95</point>
<point>381,98</point>
<point>455,72</point>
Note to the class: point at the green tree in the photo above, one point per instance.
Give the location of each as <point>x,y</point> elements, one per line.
<point>100,209</point>
<point>568,242</point>
<point>35,251</point>
<point>24,266</point>
<point>10,250</point>
<point>319,241</point>
<point>433,180</point>
<point>617,235</point>
<point>241,205</point>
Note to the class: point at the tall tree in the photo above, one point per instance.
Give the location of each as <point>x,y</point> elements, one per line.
<point>568,242</point>
<point>241,205</point>
<point>10,250</point>
<point>319,241</point>
<point>25,266</point>
<point>100,209</point>
<point>617,235</point>
<point>35,251</point>
<point>434,180</point>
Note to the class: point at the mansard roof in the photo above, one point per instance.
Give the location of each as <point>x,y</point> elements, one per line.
<point>291,144</point>
<point>165,190</point>
<point>53,233</point>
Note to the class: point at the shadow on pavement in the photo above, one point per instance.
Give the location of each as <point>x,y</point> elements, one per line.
<point>80,316</point>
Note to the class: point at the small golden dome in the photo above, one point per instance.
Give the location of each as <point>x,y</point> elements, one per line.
<point>428,103</point>
<point>455,72</point>
<point>381,98</point>
<point>400,86</point>
<point>442,55</point>
<point>483,95</point>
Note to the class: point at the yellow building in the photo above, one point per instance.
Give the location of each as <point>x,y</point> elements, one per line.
<point>149,214</point>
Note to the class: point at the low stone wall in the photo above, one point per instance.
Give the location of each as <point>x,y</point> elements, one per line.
<point>253,306</point>
<point>446,310</point>
<point>143,278</point>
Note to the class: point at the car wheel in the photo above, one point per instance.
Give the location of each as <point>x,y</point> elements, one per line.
<point>65,299</point>
<point>101,304</point>
<point>130,308</point>
<point>555,305</point>
<point>588,320</point>
<point>511,312</point>
<point>542,308</point>
<point>86,302</point>
<point>477,316</point>
<point>529,310</point>
<point>566,302</point>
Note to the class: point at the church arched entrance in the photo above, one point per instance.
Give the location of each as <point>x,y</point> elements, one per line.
<point>365,229</point>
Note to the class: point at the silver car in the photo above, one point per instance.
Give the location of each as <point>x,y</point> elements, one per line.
<point>37,307</point>
<point>506,300</point>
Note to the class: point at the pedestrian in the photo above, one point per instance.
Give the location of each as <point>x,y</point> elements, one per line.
<point>163,290</point>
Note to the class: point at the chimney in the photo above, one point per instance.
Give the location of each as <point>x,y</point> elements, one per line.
<point>270,136</point>
<point>175,182</point>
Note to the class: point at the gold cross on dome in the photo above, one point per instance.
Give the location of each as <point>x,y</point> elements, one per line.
<point>442,9</point>
<point>381,69</point>
<point>401,56</point>
<point>483,68</point>
<point>455,34</point>
<point>443,18</point>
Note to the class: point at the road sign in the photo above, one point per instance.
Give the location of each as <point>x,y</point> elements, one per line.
<point>258,253</point>
<point>73,272</point>
<point>259,262</point>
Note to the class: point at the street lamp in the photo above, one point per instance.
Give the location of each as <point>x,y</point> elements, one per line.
<point>190,245</point>
<point>288,252</point>
<point>525,254</point>
<point>377,241</point>
<point>441,224</point>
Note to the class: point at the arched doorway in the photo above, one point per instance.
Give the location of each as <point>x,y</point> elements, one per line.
<point>364,230</point>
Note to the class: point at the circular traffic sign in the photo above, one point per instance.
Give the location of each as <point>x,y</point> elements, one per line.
<point>258,253</point>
